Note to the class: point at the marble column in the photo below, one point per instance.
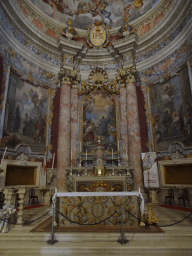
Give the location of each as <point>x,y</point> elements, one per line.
<point>64,135</point>
<point>124,132</point>
<point>134,138</point>
<point>74,103</point>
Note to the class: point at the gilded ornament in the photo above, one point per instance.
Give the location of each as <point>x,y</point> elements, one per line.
<point>98,79</point>
<point>98,35</point>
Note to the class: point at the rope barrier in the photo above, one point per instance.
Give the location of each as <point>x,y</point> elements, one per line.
<point>176,222</point>
<point>131,214</point>
<point>87,224</point>
<point>25,223</point>
<point>161,226</point>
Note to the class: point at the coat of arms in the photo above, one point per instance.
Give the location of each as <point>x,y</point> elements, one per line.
<point>98,35</point>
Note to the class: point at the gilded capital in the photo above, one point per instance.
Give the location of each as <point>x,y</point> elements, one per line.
<point>131,78</point>
<point>71,77</point>
<point>126,76</point>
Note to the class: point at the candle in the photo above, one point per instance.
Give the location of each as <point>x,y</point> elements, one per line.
<point>139,190</point>
<point>53,161</point>
<point>112,153</point>
<point>118,145</point>
<point>3,157</point>
<point>126,155</point>
<point>80,146</point>
<point>55,190</point>
<point>71,155</point>
<point>86,154</point>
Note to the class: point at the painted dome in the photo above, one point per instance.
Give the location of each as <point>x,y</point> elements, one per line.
<point>87,12</point>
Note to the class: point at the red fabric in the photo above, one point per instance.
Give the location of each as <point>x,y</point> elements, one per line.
<point>32,206</point>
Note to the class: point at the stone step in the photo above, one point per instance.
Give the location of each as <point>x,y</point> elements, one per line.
<point>133,247</point>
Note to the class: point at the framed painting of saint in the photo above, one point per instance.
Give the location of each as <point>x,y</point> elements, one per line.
<point>99,121</point>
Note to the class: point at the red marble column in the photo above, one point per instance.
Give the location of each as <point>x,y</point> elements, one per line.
<point>64,136</point>
<point>123,108</point>
<point>74,111</point>
<point>134,138</point>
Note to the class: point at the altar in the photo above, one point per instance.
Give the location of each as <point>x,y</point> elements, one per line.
<point>100,208</point>
<point>99,192</point>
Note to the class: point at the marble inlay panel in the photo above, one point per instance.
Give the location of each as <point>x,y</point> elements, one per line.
<point>123,107</point>
<point>134,135</point>
<point>64,137</point>
<point>74,119</point>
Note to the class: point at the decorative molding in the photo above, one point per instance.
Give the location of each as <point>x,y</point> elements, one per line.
<point>22,158</point>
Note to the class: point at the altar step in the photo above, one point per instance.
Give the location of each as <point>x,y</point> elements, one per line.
<point>170,243</point>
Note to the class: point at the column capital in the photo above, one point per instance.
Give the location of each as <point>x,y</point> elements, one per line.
<point>127,76</point>
<point>68,76</point>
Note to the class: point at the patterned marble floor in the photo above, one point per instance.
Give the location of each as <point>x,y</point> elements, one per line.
<point>176,240</point>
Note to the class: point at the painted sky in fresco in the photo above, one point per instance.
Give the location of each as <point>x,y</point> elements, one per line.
<point>87,12</point>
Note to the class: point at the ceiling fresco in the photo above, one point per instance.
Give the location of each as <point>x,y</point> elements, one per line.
<point>87,12</point>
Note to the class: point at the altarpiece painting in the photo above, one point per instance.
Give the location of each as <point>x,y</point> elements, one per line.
<point>171,108</point>
<point>25,115</point>
<point>99,121</point>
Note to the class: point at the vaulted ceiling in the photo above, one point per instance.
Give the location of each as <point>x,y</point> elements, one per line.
<point>86,12</point>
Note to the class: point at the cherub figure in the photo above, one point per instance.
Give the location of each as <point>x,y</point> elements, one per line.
<point>126,11</point>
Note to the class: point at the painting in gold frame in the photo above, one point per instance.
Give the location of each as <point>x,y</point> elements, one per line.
<point>99,121</point>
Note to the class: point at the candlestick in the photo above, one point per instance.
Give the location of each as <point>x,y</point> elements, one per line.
<point>53,161</point>
<point>3,157</point>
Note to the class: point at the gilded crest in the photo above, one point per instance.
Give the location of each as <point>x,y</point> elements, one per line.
<point>98,35</point>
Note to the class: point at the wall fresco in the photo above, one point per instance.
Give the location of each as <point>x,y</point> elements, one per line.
<point>25,115</point>
<point>166,41</point>
<point>171,108</point>
<point>87,12</point>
